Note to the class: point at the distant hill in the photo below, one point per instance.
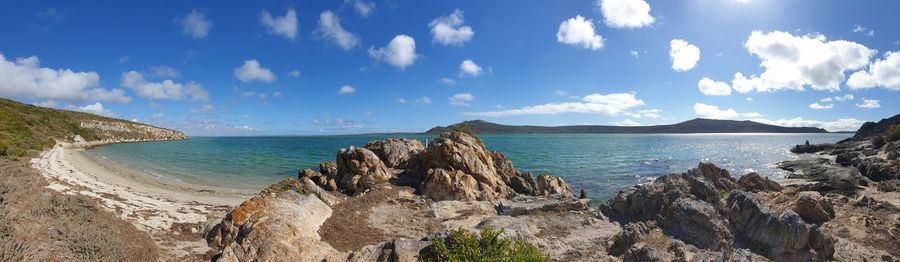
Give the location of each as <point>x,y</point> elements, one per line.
<point>698,125</point>
<point>26,128</point>
<point>870,129</point>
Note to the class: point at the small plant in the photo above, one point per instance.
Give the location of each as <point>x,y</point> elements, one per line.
<point>461,245</point>
<point>464,127</point>
<point>878,141</point>
<point>892,134</point>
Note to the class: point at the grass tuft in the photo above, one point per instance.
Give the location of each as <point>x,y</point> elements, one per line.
<point>489,245</point>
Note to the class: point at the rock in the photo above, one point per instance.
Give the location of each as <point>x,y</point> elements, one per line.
<point>328,168</point>
<point>550,185</point>
<point>643,253</point>
<point>397,153</point>
<point>753,182</point>
<point>878,169</point>
<point>828,177</point>
<point>441,184</point>
<point>631,234</point>
<point>785,236</point>
<point>719,177</point>
<point>465,153</point>
<point>283,226</point>
<point>583,194</point>
<point>846,158</point>
<point>397,250</point>
<point>807,148</point>
<point>697,223</point>
<point>308,173</point>
<point>513,227</point>
<point>359,169</point>
<point>813,208</point>
<point>521,205</point>
<point>523,183</point>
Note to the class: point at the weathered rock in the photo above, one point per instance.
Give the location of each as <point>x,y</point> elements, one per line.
<point>813,208</point>
<point>719,177</point>
<point>523,183</point>
<point>753,182</point>
<point>328,168</point>
<point>466,153</point>
<point>697,223</point>
<point>550,185</point>
<point>359,169</point>
<point>441,184</point>
<point>807,148</point>
<point>513,227</point>
<point>644,253</point>
<point>828,177</point>
<point>846,158</point>
<point>878,169</point>
<point>283,226</point>
<point>631,234</point>
<point>397,250</point>
<point>397,153</point>
<point>520,205</point>
<point>308,173</point>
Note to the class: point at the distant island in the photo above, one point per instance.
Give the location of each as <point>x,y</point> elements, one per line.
<point>698,125</point>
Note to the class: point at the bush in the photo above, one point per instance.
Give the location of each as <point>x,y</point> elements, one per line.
<point>488,246</point>
<point>878,141</point>
<point>893,133</point>
<point>464,127</point>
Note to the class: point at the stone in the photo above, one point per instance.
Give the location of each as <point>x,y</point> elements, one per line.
<point>631,234</point>
<point>813,208</point>
<point>878,169</point>
<point>521,205</point>
<point>308,173</point>
<point>807,148</point>
<point>328,168</point>
<point>397,250</point>
<point>846,159</point>
<point>523,183</point>
<point>697,223</point>
<point>753,182</point>
<point>442,184</point>
<point>359,169</point>
<point>549,185</point>
<point>460,151</point>
<point>397,153</point>
<point>643,253</point>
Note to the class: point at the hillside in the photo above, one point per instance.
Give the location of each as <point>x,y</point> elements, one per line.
<point>26,128</point>
<point>698,125</point>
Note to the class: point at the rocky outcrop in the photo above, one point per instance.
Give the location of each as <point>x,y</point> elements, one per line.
<point>813,208</point>
<point>397,153</point>
<point>441,184</point>
<point>807,148</point>
<point>360,169</point>
<point>466,153</point>
<point>753,182</point>
<point>696,222</point>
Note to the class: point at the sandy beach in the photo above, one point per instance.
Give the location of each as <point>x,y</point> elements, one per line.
<point>152,204</point>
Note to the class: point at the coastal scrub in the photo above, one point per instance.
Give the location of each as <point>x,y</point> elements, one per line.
<point>461,245</point>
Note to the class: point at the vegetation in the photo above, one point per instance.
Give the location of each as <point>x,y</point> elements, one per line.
<point>461,245</point>
<point>878,141</point>
<point>464,127</point>
<point>892,134</point>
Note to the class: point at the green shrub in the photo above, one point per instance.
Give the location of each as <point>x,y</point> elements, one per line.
<point>893,133</point>
<point>464,127</point>
<point>878,141</point>
<point>461,245</point>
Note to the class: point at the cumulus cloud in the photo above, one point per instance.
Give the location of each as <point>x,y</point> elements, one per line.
<point>843,124</point>
<point>626,13</point>
<point>869,103</point>
<point>25,78</point>
<point>713,88</point>
<point>860,29</point>
<point>609,105</point>
<point>842,98</point>
<point>469,68</point>
<point>881,73</point>
<point>252,71</point>
<point>195,24</point>
<point>96,108</point>
<point>794,62</point>
<point>285,26</point>
<point>817,106</point>
<point>346,89</point>
<point>330,29</point>
<point>447,81</point>
<point>167,89</point>
<point>423,100</point>
<point>578,31</point>
<point>627,122</point>
<point>164,72</point>
<point>451,29</point>
<point>461,99</point>
<point>713,112</point>
<point>400,52</point>
<point>646,113</point>
<point>363,8</point>
<point>684,55</point>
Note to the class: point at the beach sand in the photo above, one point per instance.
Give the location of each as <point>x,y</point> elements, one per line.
<point>158,206</point>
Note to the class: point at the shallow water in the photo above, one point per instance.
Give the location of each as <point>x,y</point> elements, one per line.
<point>602,164</point>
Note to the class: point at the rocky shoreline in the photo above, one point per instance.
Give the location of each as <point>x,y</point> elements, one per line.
<point>389,200</point>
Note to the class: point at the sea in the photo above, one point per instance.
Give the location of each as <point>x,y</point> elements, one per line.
<point>601,164</point>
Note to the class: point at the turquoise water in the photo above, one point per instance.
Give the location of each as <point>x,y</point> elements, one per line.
<point>601,164</point>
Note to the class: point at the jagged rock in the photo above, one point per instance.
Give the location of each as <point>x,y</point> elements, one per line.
<point>523,183</point>
<point>846,158</point>
<point>813,208</point>
<point>442,184</point>
<point>328,168</point>
<point>631,234</point>
<point>719,177</point>
<point>583,194</point>
<point>308,173</point>
<point>283,226</point>
<point>697,223</point>
<point>753,182</point>
<point>520,205</point>
<point>397,250</point>
<point>828,177</point>
<point>550,185</point>
<point>643,253</point>
<point>397,153</point>
<point>878,169</point>
<point>359,169</point>
<point>466,153</point>
<point>807,148</point>
<point>785,236</point>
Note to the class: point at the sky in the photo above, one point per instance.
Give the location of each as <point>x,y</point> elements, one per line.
<point>358,66</point>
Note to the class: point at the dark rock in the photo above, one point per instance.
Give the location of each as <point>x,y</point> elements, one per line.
<point>753,182</point>
<point>523,183</point>
<point>813,208</point>
<point>583,194</point>
<point>871,129</point>
<point>889,186</point>
<point>878,169</point>
<point>846,158</point>
<point>697,223</point>
<point>807,148</point>
<point>643,253</point>
<point>631,234</point>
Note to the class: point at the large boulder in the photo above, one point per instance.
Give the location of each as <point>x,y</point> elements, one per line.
<point>813,208</point>
<point>397,153</point>
<point>696,222</point>
<point>360,169</point>
<point>550,185</point>
<point>328,168</point>
<point>465,153</point>
<point>442,184</point>
<point>878,169</point>
<point>274,227</point>
<point>753,182</point>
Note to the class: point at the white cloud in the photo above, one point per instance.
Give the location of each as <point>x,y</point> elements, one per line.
<point>330,29</point>
<point>469,68</point>
<point>164,72</point>
<point>713,88</point>
<point>157,116</point>
<point>684,55</point>
<point>363,8</point>
<point>579,32</point>
<point>204,109</point>
<point>195,24</point>
<point>400,52</point>
<point>167,89</point>
<point>881,73</point>
<point>626,13</point>
<point>447,81</point>
<point>462,99</point>
<point>560,93</point>
<point>285,26</point>
<point>869,103</point>
<point>451,29</point>
<point>401,100</point>
<point>609,105</point>
<point>817,106</point>
<point>97,109</point>
<point>294,73</point>
<point>749,99</point>
<point>423,100</point>
<point>646,113</point>
<point>25,78</point>
<point>627,122</point>
<point>843,124</point>
<point>252,71</point>
<point>635,54</point>
<point>346,89</point>
<point>860,29</point>
<point>713,112</point>
<point>793,62</point>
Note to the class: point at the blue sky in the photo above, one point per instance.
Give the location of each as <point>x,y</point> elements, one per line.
<point>356,66</point>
